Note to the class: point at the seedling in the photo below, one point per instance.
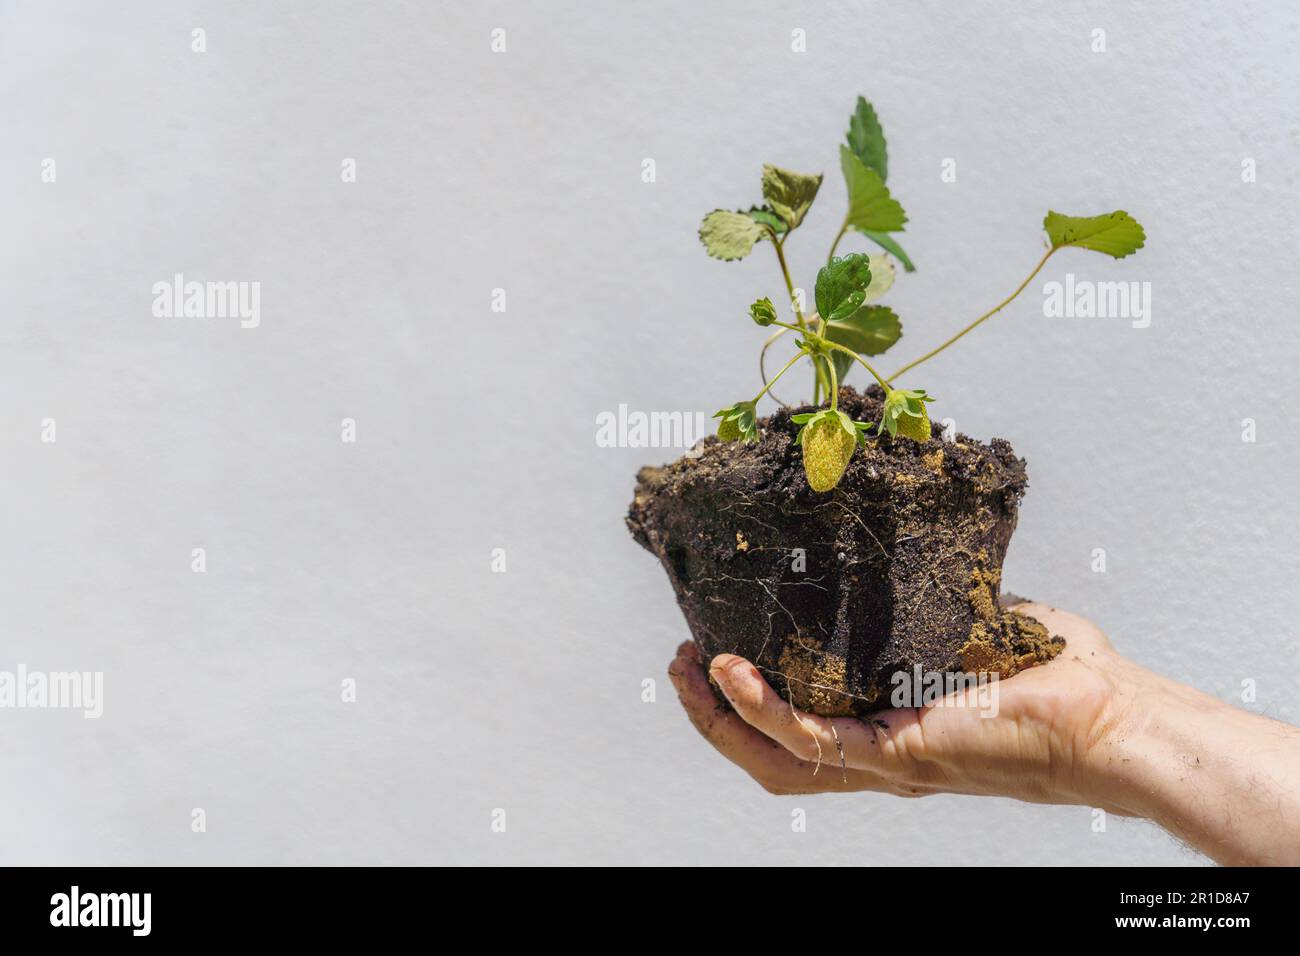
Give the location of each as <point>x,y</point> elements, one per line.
<point>849,323</point>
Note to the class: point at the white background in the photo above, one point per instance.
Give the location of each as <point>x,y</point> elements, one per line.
<point>476,429</point>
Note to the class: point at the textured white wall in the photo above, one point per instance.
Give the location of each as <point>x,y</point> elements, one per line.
<point>476,430</point>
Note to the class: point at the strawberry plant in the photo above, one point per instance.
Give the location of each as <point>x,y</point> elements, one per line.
<point>849,325</point>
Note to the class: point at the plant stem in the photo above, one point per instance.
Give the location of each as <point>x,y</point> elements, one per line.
<point>762,361</point>
<point>779,246</point>
<point>818,325</point>
<point>835,386</point>
<point>808,333</point>
<point>834,245</point>
<point>798,355</point>
<point>865,364</point>
<point>989,314</point>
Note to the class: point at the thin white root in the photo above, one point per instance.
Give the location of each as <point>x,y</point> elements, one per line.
<point>799,720</point>
<point>844,773</point>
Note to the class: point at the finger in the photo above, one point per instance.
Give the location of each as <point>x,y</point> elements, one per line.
<point>731,736</point>
<point>807,736</point>
<point>770,764</point>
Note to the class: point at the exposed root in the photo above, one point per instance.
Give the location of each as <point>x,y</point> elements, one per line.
<point>817,740</point>
<point>813,685</point>
<point>844,773</point>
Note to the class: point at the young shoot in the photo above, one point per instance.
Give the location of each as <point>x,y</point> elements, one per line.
<point>849,324</point>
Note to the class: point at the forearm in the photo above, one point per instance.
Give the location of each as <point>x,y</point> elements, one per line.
<point>1224,780</point>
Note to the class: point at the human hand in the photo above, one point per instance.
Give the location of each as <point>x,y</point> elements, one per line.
<point>1048,719</point>
<point>1089,727</point>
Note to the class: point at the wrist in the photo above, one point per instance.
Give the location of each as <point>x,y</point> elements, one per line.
<point>1210,774</point>
<point>1150,734</point>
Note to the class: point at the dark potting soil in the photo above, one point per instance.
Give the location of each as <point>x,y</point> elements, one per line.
<point>831,595</point>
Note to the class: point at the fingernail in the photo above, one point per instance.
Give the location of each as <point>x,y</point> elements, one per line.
<point>728,673</point>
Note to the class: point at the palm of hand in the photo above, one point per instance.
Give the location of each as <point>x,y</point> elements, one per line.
<point>1049,721</point>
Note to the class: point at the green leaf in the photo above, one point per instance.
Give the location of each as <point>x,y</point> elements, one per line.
<point>885,241</point>
<point>763,311</point>
<point>842,285</point>
<point>789,194</point>
<point>1116,233</point>
<point>869,331</point>
<point>870,205</point>
<point>809,419</point>
<point>764,216</point>
<point>730,235</point>
<point>882,278</point>
<point>905,413</point>
<point>739,422</point>
<point>867,139</point>
<point>862,429</point>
